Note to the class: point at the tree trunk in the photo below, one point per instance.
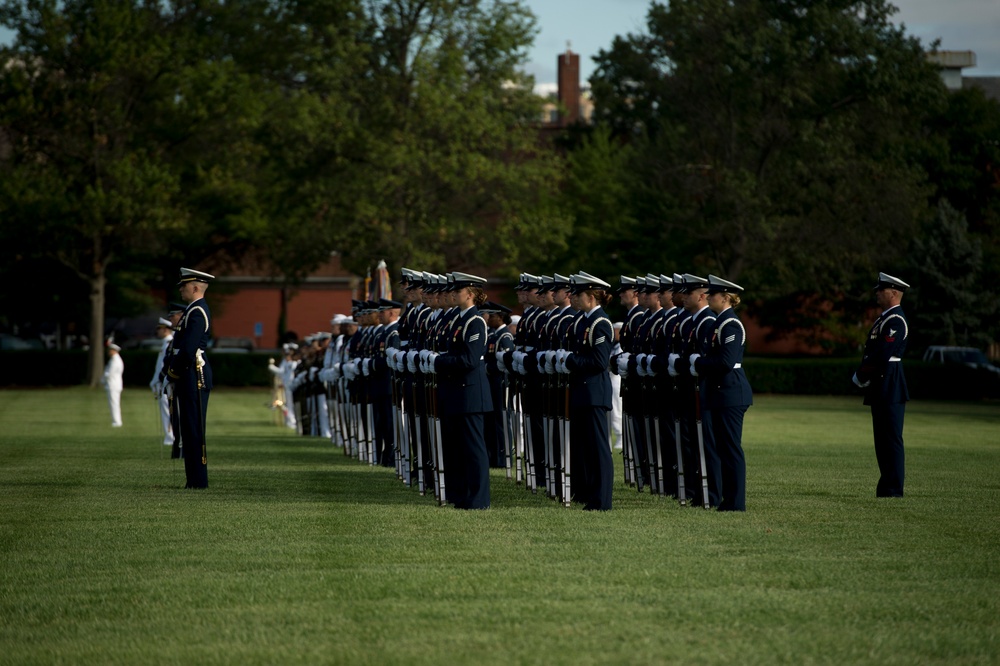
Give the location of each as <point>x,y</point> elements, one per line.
<point>96,352</point>
<point>283,314</point>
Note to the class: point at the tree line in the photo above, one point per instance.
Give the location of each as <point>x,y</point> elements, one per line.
<point>796,147</point>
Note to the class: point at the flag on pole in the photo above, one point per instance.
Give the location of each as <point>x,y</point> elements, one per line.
<point>382,287</point>
<point>368,283</point>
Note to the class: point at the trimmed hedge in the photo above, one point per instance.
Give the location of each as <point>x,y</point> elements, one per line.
<point>65,368</point>
<point>832,376</point>
<point>803,376</point>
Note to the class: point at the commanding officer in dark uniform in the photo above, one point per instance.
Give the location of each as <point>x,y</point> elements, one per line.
<point>190,375</point>
<point>727,391</point>
<point>881,375</point>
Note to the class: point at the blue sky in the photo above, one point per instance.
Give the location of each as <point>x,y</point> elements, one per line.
<point>591,25</point>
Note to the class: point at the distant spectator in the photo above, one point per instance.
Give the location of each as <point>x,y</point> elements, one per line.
<point>112,382</point>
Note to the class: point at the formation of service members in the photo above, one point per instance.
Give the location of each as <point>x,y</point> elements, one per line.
<point>684,391</point>
<point>440,388</point>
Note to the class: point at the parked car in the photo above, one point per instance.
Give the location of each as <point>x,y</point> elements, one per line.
<point>970,356</point>
<point>10,342</point>
<point>232,346</point>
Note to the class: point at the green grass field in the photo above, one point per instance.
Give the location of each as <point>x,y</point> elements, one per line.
<point>298,555</point>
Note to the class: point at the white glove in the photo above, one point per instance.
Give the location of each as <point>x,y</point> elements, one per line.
<point>694,371</point>
<point>430,362</point>
<point>649,365</point>
<point>623,365</point>
<point>169,390</point>
<point>366,367</point>
<point>564,361</point>
<point>638,365</point>
<point>401,361</point>
<point>335,372</point>
<point>519,363</point>
<point>857,382</point>
<point>411,360</point>
<point>550,363</point>
<point>313,372</point>
<point>671,360</point>
<point>390,352</point>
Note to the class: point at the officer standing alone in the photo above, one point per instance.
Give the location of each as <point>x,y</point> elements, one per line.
<point>190,375</point>
<point>881,376</point>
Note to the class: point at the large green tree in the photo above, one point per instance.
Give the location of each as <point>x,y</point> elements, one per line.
<point>122,122</point>
<point>775,140</point>
<point>454,175</point>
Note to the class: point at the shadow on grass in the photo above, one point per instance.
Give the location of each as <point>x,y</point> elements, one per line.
<point>346,481</point>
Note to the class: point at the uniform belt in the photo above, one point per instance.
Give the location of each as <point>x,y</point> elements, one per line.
<point>738,365</point>
<point>894,359</point>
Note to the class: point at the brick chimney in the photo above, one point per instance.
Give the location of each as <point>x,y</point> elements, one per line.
<point>569,87</point>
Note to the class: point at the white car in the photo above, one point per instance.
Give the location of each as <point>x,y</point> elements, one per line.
<point>969,356</point>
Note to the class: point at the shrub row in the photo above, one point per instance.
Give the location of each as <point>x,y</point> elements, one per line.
<point>832,376</point>
<point>803,376</point>
<point>65,368</point>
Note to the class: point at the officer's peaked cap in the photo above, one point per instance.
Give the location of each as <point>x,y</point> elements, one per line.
<point>692,282</point>
<point>717,284</point>
<point>625,283</point>
<point>191,275</point>
<point>886,281</point>
<point>466,280</point>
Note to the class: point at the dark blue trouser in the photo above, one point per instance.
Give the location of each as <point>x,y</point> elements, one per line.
<point>887,426</point>
<point>592,469</point>
<point>727,427</point>
<point>191,419</point>
<point>466,463</point>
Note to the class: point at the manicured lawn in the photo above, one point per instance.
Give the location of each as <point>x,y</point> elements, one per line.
<point>296,554</point>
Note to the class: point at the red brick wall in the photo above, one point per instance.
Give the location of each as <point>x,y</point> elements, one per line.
<point>309,311</point>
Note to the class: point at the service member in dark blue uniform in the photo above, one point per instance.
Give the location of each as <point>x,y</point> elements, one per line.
<point>380,379</point>
<point>500,339</point>
<point>464,395</point>
<point>696,336</point>
<point>881,375</point>
<point>585,360</point>
<point>190,374</point>
<point>727,391</point>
